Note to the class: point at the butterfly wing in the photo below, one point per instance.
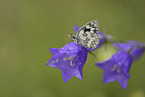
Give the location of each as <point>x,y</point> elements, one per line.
<point>87,36</point>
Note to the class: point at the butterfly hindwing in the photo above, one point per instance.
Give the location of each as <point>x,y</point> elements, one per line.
<point>87,35</point>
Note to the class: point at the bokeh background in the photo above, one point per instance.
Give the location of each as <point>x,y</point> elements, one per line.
<point>28,28</point>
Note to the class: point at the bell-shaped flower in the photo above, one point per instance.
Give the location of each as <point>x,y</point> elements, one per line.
<point>117,68</point>
<point>137,48</point>
<point>70,59</point>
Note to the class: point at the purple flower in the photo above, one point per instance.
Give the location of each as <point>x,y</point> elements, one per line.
<point>117,68</point>
<point>137,48</point>
<point>70,59</point>
<point>103,38</point>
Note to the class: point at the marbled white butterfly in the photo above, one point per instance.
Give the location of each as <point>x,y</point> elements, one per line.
<point>87,36</point>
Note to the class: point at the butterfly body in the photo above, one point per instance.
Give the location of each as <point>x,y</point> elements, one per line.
<point>87,36</point>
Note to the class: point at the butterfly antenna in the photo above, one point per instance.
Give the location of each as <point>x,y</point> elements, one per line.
<point>92,53</point>
<point>69,35</point>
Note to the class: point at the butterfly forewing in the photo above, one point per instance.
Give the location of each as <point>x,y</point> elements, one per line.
<point>87,36</point>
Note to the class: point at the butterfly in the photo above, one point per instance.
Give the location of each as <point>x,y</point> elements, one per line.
<point>87,36</point>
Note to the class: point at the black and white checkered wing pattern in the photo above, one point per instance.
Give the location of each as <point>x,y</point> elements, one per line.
<point>88,36</point>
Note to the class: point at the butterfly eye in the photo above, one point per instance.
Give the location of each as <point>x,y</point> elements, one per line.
<point>73,37</point>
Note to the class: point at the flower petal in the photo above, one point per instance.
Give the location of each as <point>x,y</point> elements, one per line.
<point>53,50</point>
<point>79,74</point>
<point>123,81</point>
<point>66,74</point>
<point>76,28</point>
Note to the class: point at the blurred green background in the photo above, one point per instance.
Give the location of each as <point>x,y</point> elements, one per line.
<point>28,28</point>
